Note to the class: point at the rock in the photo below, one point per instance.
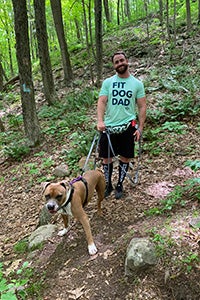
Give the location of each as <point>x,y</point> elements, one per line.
<point>41,234</point>
<point>44,216</point>
<point>140,255</point>
<point>195,222</point>
<point>61,171</point>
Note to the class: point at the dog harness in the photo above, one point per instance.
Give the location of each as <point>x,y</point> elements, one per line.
<point>86,187</point>
<point>70,194</point>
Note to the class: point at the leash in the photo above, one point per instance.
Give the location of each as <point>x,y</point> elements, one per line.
<point>110,147</point>
<point>90,151</point>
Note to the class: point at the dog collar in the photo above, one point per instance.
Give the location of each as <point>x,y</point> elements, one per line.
<point>67,201</point>
<point>70,194</point>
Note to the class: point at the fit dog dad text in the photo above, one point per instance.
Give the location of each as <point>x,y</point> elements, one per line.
<point>120,96</point>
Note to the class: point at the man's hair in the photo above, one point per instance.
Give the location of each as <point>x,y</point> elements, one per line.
<point>117,53</point>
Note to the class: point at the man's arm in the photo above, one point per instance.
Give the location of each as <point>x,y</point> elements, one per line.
<point>101,108</point>
<point>142,108</point>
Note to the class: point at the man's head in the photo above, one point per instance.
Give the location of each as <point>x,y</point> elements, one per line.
<point>120,62</point>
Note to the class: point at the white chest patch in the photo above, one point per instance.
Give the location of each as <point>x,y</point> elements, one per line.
<point>67,209</point>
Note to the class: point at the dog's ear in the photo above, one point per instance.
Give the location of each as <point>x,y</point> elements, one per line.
<point>44,186</point>
<point>63,183</point>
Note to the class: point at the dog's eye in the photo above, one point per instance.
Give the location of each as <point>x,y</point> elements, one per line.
<point>47,197</point>
<point>59,197</point>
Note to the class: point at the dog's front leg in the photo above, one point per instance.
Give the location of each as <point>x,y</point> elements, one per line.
<point>66,225</point>
<point>92,249</point>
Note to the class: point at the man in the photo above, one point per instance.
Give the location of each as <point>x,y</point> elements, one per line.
<point>116,114</point>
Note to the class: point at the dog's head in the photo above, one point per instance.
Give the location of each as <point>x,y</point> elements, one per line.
<point>55,195</point>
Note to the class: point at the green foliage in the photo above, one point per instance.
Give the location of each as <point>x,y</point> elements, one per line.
<point>21,247</point>
<point>191,190</point>
<point>15,121</point>
<point>58,120</point>
<point>69,115</point>
<point>161,242</point>
<point>173,199</point>
<point>190,260</point>
<point>179,100</point>
<point>33,169</point>
<point>16,150</point>
<point>19,284</point>
<point>8,137</point>
<point>13,288</point>
<point>193,164</point>
<point>163,246</point>
<point>173,109</point>
<point>80,144</point>
<point>155,137</point>
<point>175,127</point>
<point>47,162</point>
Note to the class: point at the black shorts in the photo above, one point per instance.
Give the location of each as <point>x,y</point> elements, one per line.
<point>122,143</point>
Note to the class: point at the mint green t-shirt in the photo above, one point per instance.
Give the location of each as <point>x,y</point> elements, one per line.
<point>122,94</point>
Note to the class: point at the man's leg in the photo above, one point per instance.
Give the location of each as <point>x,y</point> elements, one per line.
<point>123,169</point>
<point>126,145</point>
<point>107,162</point>
<point>108,169</point>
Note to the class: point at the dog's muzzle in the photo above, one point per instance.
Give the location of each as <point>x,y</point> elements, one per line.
<point>52,207</point>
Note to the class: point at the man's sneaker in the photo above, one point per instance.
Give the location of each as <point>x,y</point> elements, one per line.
<point>118,191</point>
<point>108,190</point>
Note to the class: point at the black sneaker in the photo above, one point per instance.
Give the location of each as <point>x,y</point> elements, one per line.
<point>118,191</point>
<point>108,190</point>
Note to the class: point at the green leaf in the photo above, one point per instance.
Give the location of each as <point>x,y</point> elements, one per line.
<point>3,285</point>
<point>8,296</point>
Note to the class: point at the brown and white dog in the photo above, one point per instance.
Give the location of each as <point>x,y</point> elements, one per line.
<point>70,202</point>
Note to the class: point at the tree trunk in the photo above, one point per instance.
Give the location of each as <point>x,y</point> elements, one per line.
<point>174,22</point>
<point>58,21</point>
<point>78,31</point>
<point>1,76</point>
<point>2,128</point>
<point>9,31</point>
<point>43,50</point>
<point>147,17</point>
<point>31,124</point>
<point>90,29</point>
<point>107,12</point>
<point>188,13</point>
<point>167,20</point>
<point>98,37</point>
<point>32,37</point>
<point>87,42</point>
<point>127,9</point>
<point>198,11</point>
<point>118,6</point>
<point>161,12</point>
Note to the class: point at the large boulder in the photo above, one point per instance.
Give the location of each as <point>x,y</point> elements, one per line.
<point>41,234</point>
<point>140,255</point>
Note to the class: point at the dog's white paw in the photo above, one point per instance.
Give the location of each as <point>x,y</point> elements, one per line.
<point>63,231</point>
<point>92,249</point>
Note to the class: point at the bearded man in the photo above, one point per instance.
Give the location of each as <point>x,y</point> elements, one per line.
<point>116,116</point>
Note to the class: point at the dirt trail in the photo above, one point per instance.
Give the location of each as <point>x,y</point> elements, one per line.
<point>70,272</point>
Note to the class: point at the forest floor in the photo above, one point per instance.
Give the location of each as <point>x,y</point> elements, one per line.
<point>63,264</point>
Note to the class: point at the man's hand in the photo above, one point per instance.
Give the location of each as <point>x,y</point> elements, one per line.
<point>101,126</point>
<point>137,134</point>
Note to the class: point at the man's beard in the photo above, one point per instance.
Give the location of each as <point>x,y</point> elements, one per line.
<point>122,69</point>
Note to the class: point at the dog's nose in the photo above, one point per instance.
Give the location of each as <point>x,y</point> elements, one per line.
<point>50,206</point>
